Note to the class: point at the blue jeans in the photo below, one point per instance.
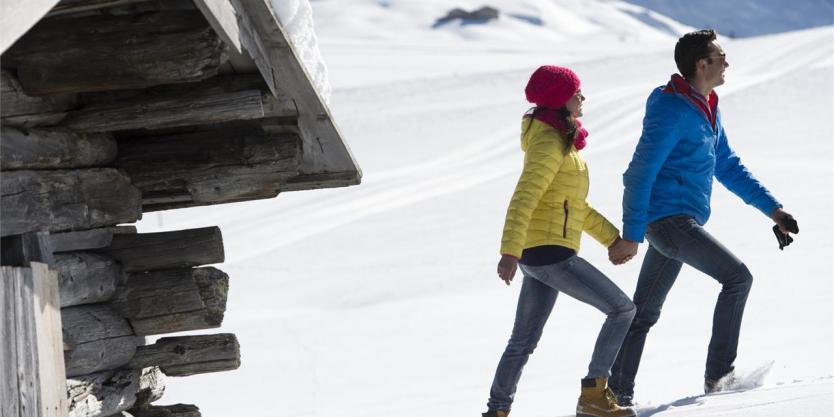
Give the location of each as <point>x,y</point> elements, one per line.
<point>579,279</point>
<point>674,241</point>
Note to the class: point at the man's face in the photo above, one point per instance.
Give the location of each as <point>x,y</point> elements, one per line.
<point>713,66</point>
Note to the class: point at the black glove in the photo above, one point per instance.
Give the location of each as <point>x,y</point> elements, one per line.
<point>788,223</point>
<point>784,238</point>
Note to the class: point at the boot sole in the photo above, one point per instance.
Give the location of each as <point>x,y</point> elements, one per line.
<point>592,415</point>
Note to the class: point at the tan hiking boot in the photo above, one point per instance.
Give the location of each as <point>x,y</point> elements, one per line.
<point>496,413</point>
<point>597,400</point>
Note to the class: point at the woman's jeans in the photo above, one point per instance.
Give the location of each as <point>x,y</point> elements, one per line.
<point>576,278</point>
<point>674,241</point>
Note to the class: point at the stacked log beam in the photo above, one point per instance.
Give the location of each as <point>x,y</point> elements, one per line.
<point>120,52</point>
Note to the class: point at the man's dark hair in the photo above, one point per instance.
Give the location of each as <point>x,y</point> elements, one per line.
<point>692,47</point>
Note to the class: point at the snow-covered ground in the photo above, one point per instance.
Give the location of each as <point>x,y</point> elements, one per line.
<point>381,300</point>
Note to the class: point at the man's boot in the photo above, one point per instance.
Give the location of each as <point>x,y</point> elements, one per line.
<point>725,383</point>
<point>597,400</point>
<point>496,413</point>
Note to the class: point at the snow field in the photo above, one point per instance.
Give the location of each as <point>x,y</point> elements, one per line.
<point>382,299</point>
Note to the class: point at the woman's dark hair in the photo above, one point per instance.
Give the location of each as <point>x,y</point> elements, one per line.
<point>692,47</point>
<point>570,131</point>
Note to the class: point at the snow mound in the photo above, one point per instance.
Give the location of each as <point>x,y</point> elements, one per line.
<point>296,17</point>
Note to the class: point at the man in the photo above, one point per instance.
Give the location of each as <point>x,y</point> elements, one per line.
<point>667,193</point>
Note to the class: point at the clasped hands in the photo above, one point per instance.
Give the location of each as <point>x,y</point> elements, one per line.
<point>621,251</point>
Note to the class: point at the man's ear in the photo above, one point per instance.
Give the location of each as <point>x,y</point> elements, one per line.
<point>701,64</point>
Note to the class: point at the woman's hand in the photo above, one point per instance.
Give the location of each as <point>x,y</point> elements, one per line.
<point>506,268</point>
<point>621,251</point>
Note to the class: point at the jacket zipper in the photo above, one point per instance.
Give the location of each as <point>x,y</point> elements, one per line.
<point>565,226</point>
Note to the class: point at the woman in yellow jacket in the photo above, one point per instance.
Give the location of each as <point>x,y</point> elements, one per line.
<point>545,220</point>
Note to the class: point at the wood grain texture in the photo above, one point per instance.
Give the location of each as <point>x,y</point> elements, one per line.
<point>169,111</point>
<point>173,300</point>
<point>190,355</point>
<point>62,200</point>
<point>120,52</point>
<point>47,322</point>
<point>30,350</point>
<point>203,168</point>
<point>9,392</point>
<point>98,338</point>
<point>54,149</point>
<point>15,102</point>
<point>165,250</point>
<point>86,239</point>
<point>86,278</point>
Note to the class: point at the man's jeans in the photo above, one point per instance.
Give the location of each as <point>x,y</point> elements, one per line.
<point>674,241</point>
<point>576,278</point>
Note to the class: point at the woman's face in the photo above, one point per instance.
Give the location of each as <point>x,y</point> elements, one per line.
<point>574,105</point>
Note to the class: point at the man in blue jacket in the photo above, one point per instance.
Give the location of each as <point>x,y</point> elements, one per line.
<point>667,200</point>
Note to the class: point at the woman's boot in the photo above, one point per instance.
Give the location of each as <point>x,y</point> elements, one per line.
<point>597,400</point>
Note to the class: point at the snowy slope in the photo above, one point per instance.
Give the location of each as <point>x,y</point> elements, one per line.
<point>382,300</point>
<point>745,18</point>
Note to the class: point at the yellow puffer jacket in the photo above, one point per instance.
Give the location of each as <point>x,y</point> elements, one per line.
<point>552,189</point>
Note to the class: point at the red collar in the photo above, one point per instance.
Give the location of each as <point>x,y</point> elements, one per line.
<point>708,106</point>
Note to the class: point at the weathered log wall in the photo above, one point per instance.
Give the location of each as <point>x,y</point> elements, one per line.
<point>114,107</point>
<point>66,200</point>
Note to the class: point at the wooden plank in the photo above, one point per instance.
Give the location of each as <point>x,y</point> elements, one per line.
<point>86,278</point>
<point>222,17</point>
<point>54,149</point>
<point>47,321</point>
<point>27,357</point>
<point>14,102</point>
<point>21,250</point>
<point>170,111</point>
<point>165,250</point>
<point>176,46</point>
<point>9,398</point>
<point>16,17</point>
<point>221,166</point>
<point>173,300</point>
<point>106,393</point>
<point>190,355</point>
<point>325,152</point>
<point>63,200</point>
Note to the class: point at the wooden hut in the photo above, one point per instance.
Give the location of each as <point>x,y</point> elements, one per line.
<point>111,109</point>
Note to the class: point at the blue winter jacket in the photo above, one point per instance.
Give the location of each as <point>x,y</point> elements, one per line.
<point>676,158</point>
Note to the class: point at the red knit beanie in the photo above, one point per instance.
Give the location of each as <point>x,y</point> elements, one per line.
<point>551,86</point>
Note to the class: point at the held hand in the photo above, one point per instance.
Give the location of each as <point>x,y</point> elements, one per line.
<point>621,251</point>
<point>506,268</point>
<point>786,222</point>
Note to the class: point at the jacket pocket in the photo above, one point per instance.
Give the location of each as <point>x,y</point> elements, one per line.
<point>565,226</point>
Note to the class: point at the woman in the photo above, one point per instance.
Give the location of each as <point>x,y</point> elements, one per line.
<point>545,220</point>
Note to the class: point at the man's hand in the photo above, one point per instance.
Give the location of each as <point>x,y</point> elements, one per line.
<point>506,268</point>
<point>786,222</point>
<point>621,251</point>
